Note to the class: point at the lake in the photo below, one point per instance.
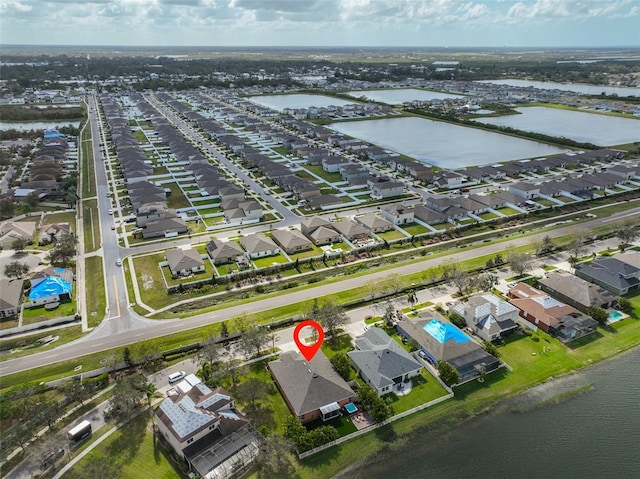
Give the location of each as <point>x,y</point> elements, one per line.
<point>298,100</point>
<point>35,125</point>
<point>579,126</point>
<point>444,144</point>
<point>592,435</point>
<point>402,95</point>
<point>574,87</point>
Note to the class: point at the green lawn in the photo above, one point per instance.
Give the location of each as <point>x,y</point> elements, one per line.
<point>176,199</point>
<point>96,299</point>
<point>150,282</point>
<point>330,177</point>
<point>565,199</point>
<point>508,211</point>
<point>269,261</point>
<point>68,217</point>
<point>545,202</point>
<point>415,229</point>
<point>488,216</point>
<point>132,452</point>
<point>88,177</point>
<point>39,313</point>
<point>425,388</point>
<point>90,225</point>
<point>314,251</point>
<point>391,235</point>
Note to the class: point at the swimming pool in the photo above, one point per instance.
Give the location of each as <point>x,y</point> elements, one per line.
<point>615,316</point>
<point>351,408</point>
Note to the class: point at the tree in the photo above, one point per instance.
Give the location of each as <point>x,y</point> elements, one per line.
<point>485,281</point>
<point>625,305</point>
<point>331,316</point>
<point>458,320</point>
<point>519,263</point>
<point>577,247</point>
<point>16,269</point>
<point>448,373</point>
<point>253,339</point>
<point>377,407</point>
<point>342,365</point>
<point>627,234</point>
<point>127,396</point>
<point>206,371</point>
<point>19,244</point>
<point>460,279</point>
<point>77,391</point>
<point>598,314</point>
<point>64,250</point>
<point>252,391</point>
<point>412,298</point>
<point>211,351</point>
<point>274,458</point>
<point>49,412</point>
<point>389,314</point>
<point>491,349</point>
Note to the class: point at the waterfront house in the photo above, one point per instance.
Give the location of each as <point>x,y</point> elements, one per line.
<point>488,316</point>
<point>440,340</point>
<point>575,291</point>
<point>311,389</point>
<point>382,362</point>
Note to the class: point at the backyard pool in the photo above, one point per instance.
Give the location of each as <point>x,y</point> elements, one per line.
<point>615,316</point>
<point>351,408</point>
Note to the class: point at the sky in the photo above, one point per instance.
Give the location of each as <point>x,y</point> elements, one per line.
<point>390,23</point>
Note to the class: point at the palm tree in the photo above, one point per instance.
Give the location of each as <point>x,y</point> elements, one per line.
<point>206,371</point>
<point>151,392</point>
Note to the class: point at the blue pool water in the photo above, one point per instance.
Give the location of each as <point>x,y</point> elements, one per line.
<point>351,408</point>
<point>615,316</point>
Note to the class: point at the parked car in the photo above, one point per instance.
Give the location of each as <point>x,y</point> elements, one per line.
<point>118,262</point>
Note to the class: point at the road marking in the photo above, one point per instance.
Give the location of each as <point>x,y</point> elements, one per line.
<point>115,287</point>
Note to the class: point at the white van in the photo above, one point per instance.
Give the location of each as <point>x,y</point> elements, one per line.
<point>177,376</point>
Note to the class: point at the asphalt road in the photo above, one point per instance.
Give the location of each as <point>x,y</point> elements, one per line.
<point>106,337</point>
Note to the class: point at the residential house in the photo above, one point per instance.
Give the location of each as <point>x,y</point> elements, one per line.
<point>319,230</point>
<point>205,429</point>
<point>488,316</point>
<point>610,273</point>
<point>398,214</point>
<point>166,227</point>
<point>291,241</point>
<point>258,245</point>
<point>555,317</point>
<point>374,222</point>
<point>53,232</point>
<point>222,252</point>
<point>428,215</point>
<point>528,191</point>
<point>350,229</point>
<point>184,262</point>
<point>575,291</point>
<point>50,288</point>
<point>311,389</point>
<point>383,187</point>
<point>382,362</point>
<point>10,297</point>
<point>13,230</point>
<point>440,340</point>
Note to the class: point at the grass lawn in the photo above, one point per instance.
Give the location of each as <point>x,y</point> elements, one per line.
<point>415,229</point>
<point>340,344</point>
<point>330,177</point>
<point>224,269</point>
<point>150,282</point>
<point>545,202</point>
<point>132,452</point>
<point>508,211</point>
<point>424,388</point>
<point>176,199</point>
<point>343,425</point>
<point>269,260</point>
<point>565,199</point>
<point>90,225</point>
<point>68,217</point>
<point>96,299</point>
<point>39,313</point>
<point>314,251</point>
<point>488,216</point>
<point>391,235</point>
<point>88,177</point>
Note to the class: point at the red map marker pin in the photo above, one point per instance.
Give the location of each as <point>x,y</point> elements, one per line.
<point>308,351</point>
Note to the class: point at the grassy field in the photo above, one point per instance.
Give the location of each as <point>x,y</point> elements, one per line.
<point>90,225</point>
<point>176,199</point>
<point>96,298</point>
<point>131,452</point>
<point>88,176</point>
